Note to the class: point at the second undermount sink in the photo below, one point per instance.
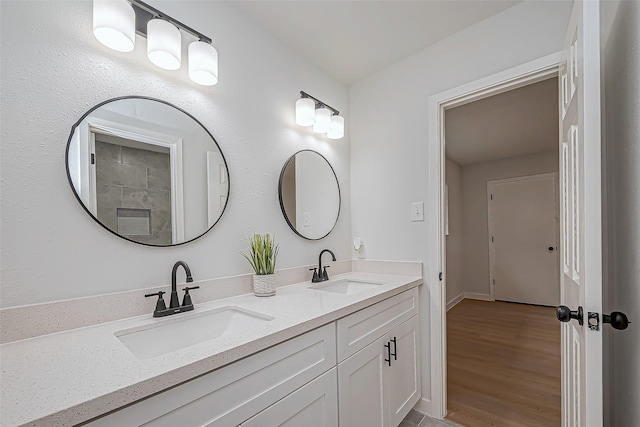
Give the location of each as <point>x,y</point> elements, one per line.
<point>346,287</point>
<point>168,335</point>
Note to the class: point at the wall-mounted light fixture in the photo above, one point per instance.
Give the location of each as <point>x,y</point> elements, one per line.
<point>311,111</point>
<point>115,23</point>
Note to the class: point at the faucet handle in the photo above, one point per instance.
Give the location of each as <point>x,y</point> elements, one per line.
<point>160,305</point>
<point>187,298</point>
<point>325,276</point>
<point>315,277</point>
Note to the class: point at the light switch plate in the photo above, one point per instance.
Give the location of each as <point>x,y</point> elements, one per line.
<point>417,211</point>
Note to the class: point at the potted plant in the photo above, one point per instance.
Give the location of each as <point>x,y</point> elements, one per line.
<point>262,258</point>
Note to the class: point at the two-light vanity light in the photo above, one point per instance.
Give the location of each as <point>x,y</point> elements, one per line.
<point>116,22</point>
<point>325,119</point>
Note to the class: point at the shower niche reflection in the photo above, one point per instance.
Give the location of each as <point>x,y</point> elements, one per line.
<point>134,198</point>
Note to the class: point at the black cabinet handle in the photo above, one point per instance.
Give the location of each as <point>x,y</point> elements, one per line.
<point>388,347</point>
<point>395,350</point>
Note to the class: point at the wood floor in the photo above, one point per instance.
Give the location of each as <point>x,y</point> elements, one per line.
<point>503,364</point>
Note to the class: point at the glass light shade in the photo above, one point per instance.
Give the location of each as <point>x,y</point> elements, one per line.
<point>203,63</point>
<point>323,120</point>
<point>164,44</point>
<point>305,111</point>
<point>114,24</point>
<point>336,129</point>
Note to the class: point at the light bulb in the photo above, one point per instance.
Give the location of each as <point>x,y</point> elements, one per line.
<point>114,24</point>
<point>203,63</point>
<point>336,128</point>
<point>163,44</point>
<point>323,120</point>
<point>305,111</point>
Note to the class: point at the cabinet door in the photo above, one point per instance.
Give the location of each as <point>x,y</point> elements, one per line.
<point>403,381</point>
<point>312,405</point>
<point>361,394</point>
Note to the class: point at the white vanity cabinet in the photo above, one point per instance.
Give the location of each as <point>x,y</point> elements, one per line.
<point>379,362</point>
<point>361,370</point>
<point>232,394</point>
<point>313,405</point>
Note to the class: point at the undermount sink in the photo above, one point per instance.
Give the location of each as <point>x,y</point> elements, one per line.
<point>166,336</point>
<point>346,287</point>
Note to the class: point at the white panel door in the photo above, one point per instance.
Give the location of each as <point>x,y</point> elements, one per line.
<point>523,239</point>
<point>580,213</point>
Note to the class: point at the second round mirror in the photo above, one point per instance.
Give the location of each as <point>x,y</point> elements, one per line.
<point>309,195</point>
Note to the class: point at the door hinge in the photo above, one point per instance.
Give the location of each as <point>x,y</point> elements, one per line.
<point>440,276</point>
<point>93,159</point>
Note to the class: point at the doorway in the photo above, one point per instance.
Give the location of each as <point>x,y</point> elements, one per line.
<point>517,77</point>
<point>502,246</point>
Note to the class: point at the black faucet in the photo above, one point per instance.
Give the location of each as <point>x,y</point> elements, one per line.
<point>174,305</point>
<point>320,273</point>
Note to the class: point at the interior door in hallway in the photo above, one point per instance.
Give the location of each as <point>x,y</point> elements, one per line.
<point>581,219</point>
<point>523,239</point>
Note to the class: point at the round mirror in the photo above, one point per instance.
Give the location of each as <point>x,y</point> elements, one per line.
<point>309,195</point>
<point>147,171</point>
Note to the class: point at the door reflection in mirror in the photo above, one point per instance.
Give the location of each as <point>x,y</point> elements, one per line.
<point>147,171</point>
<point>309,195</point>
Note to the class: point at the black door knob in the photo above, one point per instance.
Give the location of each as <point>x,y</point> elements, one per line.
<point>617,320</point>
<point>564,314</point>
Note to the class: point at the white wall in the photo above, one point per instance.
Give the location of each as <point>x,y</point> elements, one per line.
<point>455,239</point>
<point>621,58</point>
<point>475,216</point>
<point>389,129</point>
<point>53,70</point>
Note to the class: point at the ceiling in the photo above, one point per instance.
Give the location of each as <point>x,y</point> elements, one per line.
<point>515,123</point>
<point>352,40</point>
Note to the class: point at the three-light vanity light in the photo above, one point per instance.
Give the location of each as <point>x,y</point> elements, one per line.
<point>116,22</point>
<point>325,119</point>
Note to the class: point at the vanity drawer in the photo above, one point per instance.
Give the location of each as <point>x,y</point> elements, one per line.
<point>363,327</point>
<point>232,394</point>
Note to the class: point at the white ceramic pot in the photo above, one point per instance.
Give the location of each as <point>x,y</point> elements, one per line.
<point>264,285</point>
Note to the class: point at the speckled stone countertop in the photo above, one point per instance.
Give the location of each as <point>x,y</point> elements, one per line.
<point>69,377</point>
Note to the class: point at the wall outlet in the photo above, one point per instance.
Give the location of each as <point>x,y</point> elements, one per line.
<point>417,211</point>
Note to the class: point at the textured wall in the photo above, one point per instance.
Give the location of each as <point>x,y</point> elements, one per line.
<point>622,146</point>
<point>53,70</point>
<point>389,129</point>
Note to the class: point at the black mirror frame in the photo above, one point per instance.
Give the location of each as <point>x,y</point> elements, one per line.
<point>66,162</point>
<point>284,213</point>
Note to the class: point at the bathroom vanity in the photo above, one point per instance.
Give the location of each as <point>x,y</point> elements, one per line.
<point>344,352</point>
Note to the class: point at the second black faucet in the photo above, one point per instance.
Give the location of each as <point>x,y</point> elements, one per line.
<point>174,303</point>
<point>320,273</point>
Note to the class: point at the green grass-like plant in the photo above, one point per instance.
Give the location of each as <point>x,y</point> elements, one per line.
<point>264,252</point>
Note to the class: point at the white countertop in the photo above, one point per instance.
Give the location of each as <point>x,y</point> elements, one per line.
<point>69,377</point>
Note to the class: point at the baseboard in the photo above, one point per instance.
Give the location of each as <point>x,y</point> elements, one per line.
<point>481,297</point>
<point>423,405</point>
<point>455,301</point>
<point>468,295</point>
